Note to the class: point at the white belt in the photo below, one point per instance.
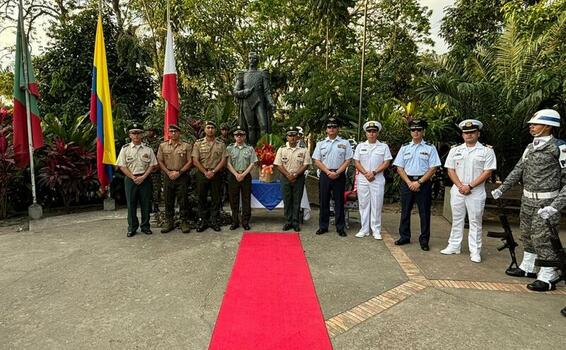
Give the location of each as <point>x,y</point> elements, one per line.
<point>540,195</point>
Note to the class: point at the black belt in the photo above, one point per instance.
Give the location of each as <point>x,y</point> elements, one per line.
<point>415,178</point>
<point>138,174</point>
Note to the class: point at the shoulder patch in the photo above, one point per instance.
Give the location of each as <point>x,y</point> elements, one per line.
<point>562,157</point>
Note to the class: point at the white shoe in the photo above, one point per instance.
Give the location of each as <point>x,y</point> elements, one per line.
<point>378,237</point>
<point>475,258</point>
<point>362,234</point>
<point>449,250</point>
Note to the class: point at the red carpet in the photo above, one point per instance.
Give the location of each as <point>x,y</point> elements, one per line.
<point>270,301</point>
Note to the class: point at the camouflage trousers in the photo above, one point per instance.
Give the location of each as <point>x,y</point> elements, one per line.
<point>536,235</point>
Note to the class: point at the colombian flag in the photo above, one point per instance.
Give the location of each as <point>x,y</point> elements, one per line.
<point>101,112</point>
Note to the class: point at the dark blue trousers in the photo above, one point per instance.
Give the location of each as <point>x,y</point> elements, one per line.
<point>337,188</point>
<point>424,202</point>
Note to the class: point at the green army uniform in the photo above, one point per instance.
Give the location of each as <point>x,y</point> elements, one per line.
<point>292,159</point>
<point>175,157</point>
<point>137,158</point>
<point>156,179</point>
<point>240,158</point>
<point>209,155</point>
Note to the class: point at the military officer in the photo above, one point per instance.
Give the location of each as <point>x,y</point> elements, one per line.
<point>371,159</point>
<point>225,134</point>
<point>542,170</point>
<point>241,160</point>
<point>469,166</point>
<point>332,156</point>
<point>137,161</point>
<point>174,157</point>
<point>209,157</point>
<point>153,140</point>
<point>292,161</point>
<point>416,162</point>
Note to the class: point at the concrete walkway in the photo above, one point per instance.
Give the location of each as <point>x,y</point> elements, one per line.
<point>77,282</point>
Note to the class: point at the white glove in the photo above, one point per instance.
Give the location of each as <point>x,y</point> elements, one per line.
<point>496,194</point>
<point>547,212</point>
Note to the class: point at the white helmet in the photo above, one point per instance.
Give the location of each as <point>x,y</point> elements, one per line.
<point>546,117</point>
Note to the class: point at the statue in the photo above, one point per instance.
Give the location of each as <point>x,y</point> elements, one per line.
<point>253,94</point>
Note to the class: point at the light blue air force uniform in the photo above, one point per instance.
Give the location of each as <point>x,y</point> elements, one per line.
<point>333,153</point>
<point>417,158</point>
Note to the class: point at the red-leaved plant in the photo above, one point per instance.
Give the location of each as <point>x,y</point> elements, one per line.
<point>69,171</point>
<point>8,170</point>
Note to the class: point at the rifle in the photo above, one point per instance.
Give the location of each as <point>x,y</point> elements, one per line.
<point>506,236</point>
<point>561,262</point>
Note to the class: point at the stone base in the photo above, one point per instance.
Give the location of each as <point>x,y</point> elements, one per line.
<point>35,211</point>
<point>109,204</point>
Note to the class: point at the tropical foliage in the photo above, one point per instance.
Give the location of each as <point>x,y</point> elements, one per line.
<point>506,59</point>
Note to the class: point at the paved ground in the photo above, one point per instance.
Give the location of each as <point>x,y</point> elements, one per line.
<point>77,282</point>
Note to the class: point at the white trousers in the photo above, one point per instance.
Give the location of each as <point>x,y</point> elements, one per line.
<point>473,204</point>
<point>370,202</point>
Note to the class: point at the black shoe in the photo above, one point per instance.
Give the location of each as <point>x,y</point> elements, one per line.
<point>540,286</point>
<point>321,231</point>
<point>342,233</point>
<point>287,227</point>
<point>147,231</point>
<point>402,242</point>
<point>167,228</point>
<point>297,228</point>
<point>216,227</point>
<point>234,226</point>
<point>518,272</point>
<point>425,247</point>
<point>246,227</point>
<point>563,312</point>
<point>201,227</point>
<point>131,233</point>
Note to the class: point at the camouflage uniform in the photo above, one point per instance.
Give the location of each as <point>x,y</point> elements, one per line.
<point>154,143</point>
<point>540,170</point>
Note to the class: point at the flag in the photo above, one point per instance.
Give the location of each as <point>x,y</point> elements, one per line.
<point>169,88</point>
<point>19,120</point>
<point>101,112</point>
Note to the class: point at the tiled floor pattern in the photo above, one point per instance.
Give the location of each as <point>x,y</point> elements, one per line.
<point>344,321</point>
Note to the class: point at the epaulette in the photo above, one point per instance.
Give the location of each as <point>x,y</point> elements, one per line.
<point>126,145</point>
<point>406,144</point>
<point>488,146</point>
<point>454,146</point>
<point>200,140</point>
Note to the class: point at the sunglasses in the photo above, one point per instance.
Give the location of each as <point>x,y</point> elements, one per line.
<point>332,127</point>
<point>418,130</point>
<point>136,132</point>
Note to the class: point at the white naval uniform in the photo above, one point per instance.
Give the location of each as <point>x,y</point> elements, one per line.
<point>370,194</point>
<point>469,163</point>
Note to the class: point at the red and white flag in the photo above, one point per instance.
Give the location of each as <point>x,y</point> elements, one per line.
<point>169,90</point>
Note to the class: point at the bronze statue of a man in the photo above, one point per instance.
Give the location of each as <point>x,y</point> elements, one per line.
<point>253,94</point>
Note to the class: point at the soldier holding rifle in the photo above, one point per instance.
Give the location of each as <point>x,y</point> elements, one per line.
<point>542,170</point>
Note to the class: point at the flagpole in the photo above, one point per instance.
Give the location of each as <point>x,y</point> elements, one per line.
<point>35,211</point>
<point>362,71</point>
